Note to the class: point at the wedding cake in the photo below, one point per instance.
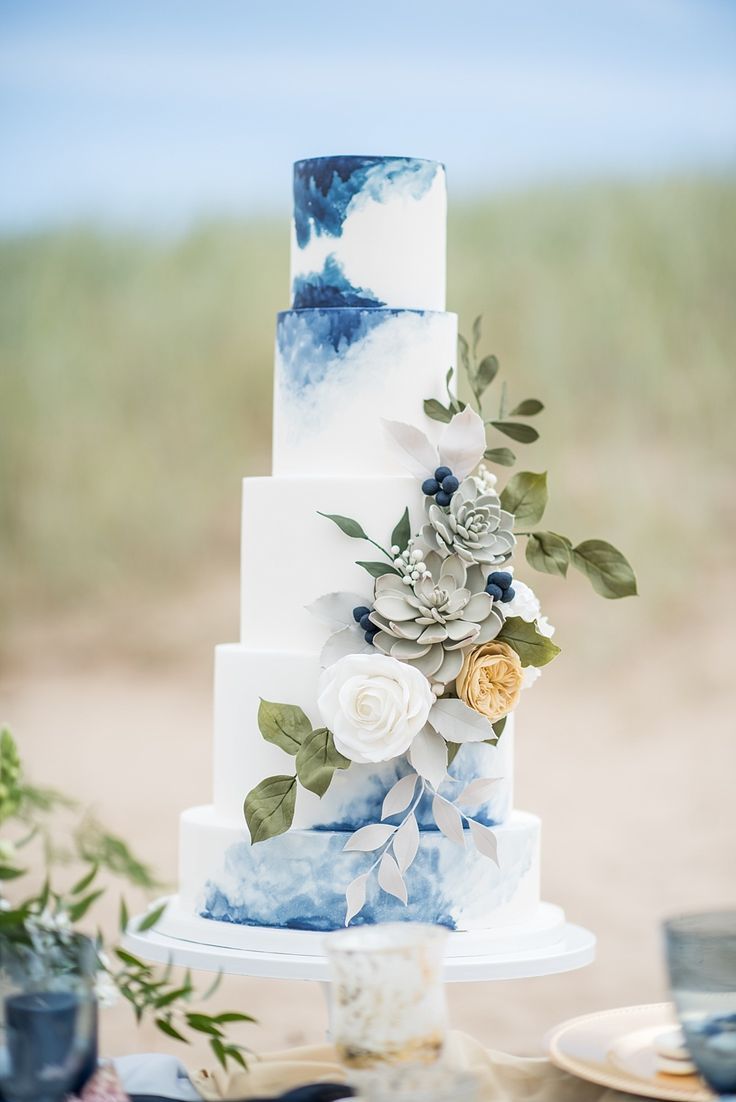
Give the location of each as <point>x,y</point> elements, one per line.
<point>363,725</point>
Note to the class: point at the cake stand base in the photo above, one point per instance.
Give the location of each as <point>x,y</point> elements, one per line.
<point>546,945</point>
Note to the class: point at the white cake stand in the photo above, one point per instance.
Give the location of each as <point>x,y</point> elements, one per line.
<point>546,945</point>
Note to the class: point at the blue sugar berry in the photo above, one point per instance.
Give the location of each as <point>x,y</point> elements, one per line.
<point>501,577</point>
<point>366,623</point>
<point>360,612</point>
<point>369,636</point>
<point>443,499</point>
<point>441,473</point>
<point>450,484</point>
<point>508,595</point>
<point>430,486</point>
<point>494,591</point>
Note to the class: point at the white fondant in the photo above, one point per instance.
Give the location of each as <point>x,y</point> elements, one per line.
<point>242,758</point>
<point>216,858</point>
<point>334,422</point>
<point>202,943</point>
<point>542,930</point>
<point>291,555</point>
<point>394,247</point>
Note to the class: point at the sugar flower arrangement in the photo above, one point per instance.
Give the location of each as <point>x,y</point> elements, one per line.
<point>437,650</point>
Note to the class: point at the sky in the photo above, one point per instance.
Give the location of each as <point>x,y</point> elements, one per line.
<point>159,112</point>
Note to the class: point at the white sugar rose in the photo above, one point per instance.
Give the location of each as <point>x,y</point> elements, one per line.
<point>374,705</point>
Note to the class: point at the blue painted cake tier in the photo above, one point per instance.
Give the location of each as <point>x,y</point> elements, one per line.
<point>341,369</point>
<point>369,231</point>
<point>298,879</point>
<point>325,188</point>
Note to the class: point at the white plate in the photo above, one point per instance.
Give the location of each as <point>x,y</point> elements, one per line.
<point>616,1049</point>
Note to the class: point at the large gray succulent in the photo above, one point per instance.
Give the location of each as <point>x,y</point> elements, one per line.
<point>429,622</point>
<point>473,526</point>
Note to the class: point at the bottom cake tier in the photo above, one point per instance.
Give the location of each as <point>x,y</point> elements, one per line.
<point>298,880</point>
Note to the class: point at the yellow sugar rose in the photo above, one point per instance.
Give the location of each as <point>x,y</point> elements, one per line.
<point>490,680</point>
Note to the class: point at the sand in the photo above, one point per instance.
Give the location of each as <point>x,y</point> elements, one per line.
<point>626,748</point>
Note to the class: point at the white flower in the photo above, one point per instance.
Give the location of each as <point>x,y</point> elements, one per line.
<point>461,445</point>
<point>486,479</point>
<point>529,676</point>
<point>374,706</point>
<point>544,627</point>
<point>525,603</point>
<point>105,989</point>
<point>5,904</point>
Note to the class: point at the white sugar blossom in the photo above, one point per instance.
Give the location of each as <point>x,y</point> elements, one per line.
<point>529,675</point>
<point>544,627</point>
<point>486,479</point>
<point>374,705</point>
<point>461,445</point>
<point>526,605</point>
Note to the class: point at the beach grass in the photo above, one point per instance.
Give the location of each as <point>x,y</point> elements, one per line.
<point>136,374</point>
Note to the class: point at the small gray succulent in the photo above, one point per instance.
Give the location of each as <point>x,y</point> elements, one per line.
<point>473,526</point>
<point>427,622</point>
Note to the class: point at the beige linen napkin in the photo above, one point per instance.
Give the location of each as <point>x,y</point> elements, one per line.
<point>501,1078</point>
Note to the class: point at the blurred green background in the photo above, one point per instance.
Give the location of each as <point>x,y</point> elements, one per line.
<point>136,379</point>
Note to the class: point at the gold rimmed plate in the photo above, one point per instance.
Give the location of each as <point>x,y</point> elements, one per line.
<point>616,1048</point>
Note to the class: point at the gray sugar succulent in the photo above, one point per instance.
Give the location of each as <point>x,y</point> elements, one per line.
<point>473,526</point>
<point>427,622</point>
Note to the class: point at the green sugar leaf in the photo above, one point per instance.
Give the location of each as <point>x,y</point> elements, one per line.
<point>487,372</point>
<point>346,524</point>
<point>402,532</point>
<point>528,408</point>
<point>504,457</point>
<point>464,352</point>
<point>476,332</point>
<point>533,648</point>
<point>285,725</point>
<point>452,751</point>
<point>609,571</point>
<point>377,569</point>
<point>317,761</point>
<point>436,411</point>
<point>525,495</point>
<point>525,434</point>
<point>269,807</point>
<point>548,553</point>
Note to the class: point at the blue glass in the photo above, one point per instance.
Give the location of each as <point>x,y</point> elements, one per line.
<point>701,959</point>
<point>48,1029</point>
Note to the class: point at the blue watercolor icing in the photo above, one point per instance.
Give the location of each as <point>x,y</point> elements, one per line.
<point>330,288</point>
<point>325,187</point>
<point>312,342</point>
<point>298,881</point>
<point>356,798</point>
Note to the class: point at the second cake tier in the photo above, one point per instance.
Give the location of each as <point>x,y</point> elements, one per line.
<point>340,370</point>
<point>242,758</point>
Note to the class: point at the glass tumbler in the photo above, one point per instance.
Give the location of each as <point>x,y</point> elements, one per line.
<point>388,1016</point>
<point>701,960</point>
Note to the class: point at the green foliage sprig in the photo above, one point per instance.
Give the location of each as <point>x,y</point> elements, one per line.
<point>44,921</point>
<point>399,538</point>
<point>526,495</point>
<point>269,807</point>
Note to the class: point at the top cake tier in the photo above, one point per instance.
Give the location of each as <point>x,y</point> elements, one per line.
<point>368,232</point>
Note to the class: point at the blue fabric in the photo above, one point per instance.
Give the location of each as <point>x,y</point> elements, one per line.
<point>155,1074</point>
